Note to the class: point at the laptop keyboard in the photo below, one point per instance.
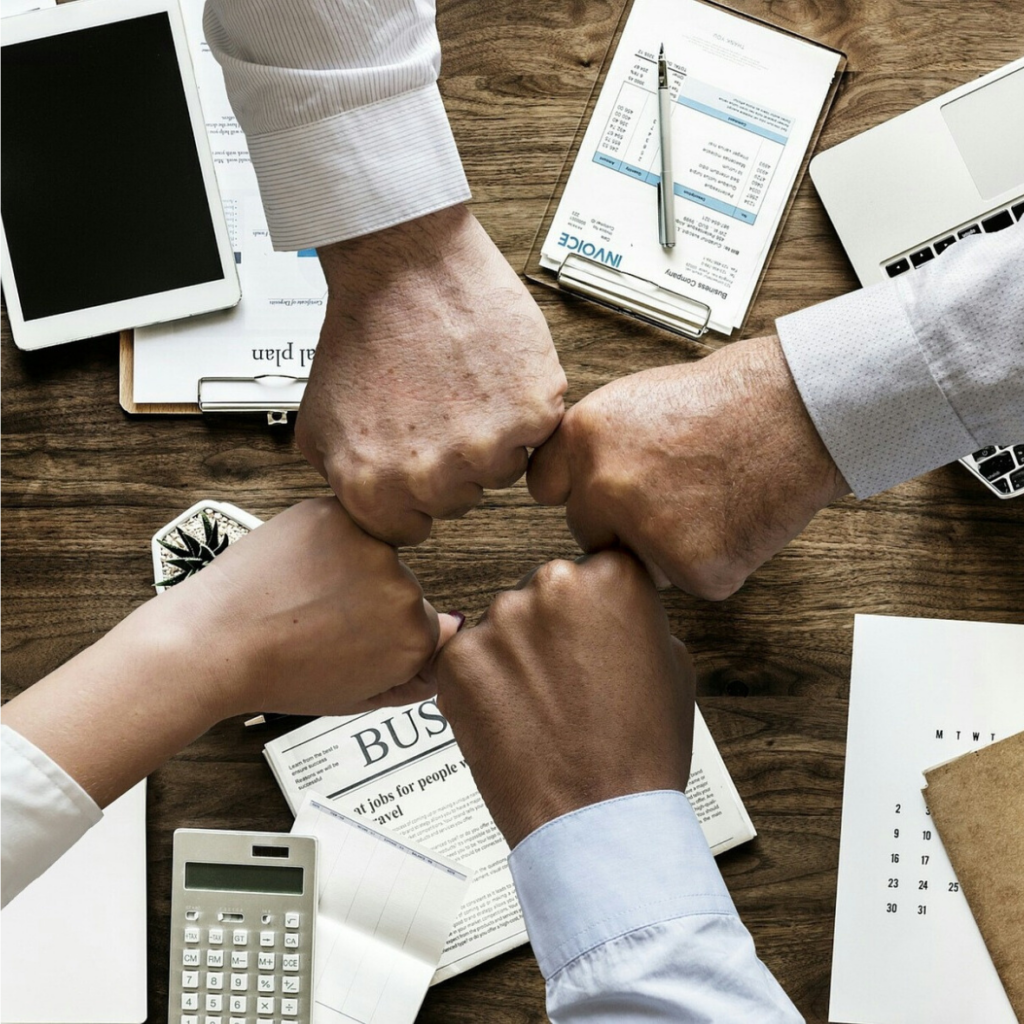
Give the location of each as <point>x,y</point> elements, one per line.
<point>999,467</point>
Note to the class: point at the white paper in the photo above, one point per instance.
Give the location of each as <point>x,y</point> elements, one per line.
<point>746,100</point>
<point>74,949</point>
<point>922,691</point>
<point>401,768</point>
<point>275,327</point>
<point>386,907</point>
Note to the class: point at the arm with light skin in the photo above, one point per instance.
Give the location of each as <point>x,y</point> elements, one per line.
<point>306,615</point>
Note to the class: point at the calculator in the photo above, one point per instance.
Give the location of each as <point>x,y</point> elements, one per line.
<point>243,918</point>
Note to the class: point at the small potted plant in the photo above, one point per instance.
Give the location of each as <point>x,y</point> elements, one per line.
<point>192,540</point>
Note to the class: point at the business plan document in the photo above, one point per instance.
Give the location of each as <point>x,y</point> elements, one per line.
<point>745,102</point>
<point>385,909</point>
<point>275,327</point>
<point>922,691</point>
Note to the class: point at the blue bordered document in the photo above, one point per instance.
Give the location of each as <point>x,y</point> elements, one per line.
<point>746,104</point>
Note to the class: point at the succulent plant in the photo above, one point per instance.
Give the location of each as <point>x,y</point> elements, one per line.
<point>193,554</point>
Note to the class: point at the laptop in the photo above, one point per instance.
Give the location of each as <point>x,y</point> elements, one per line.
<point>902,193</point>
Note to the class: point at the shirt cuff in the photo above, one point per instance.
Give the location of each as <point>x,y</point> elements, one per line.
<point>606,870</point>
<point>359,171</point>
<point>45,812</point>
<point>868,387</point>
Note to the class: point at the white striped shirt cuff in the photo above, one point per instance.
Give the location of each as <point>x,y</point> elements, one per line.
<point>359,171</point>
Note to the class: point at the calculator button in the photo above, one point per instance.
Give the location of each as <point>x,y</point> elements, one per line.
<point>216,936</point>
<point>239,961</point>
<point>214,1002</point>
<point>265,983</point>
<point>189,1018</point>
<point>215,958</point>
<point>237,1020</point>
<point>190,958</point>
<point>291,919</point>
<point>239,936</point>
<point>266,938</point>
<point>290,985</point>
<point>265,1004</point>
<point>239,982</point>
<point>191,915</point>
<point>215,980</point>
<point>266,961</point>
<point>291,940</point>
<point>212,1020</point>
<point>289,961</point>
<point>266,918</point>
<point>190,979</point>
<point>190,1000</point>
<point>192,933</point>
<point>290,1007</point>
<point>238,1004</point>
<point>264,1020</point>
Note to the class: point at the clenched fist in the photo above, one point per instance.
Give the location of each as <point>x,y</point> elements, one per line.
<point>434,374</point>
<point>703,470</point>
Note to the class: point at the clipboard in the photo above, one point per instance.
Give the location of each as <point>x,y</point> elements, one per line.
<point>680,313</point>
<point>276,395</point>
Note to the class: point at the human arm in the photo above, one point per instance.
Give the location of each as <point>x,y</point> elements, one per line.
<point>435,369</point>
<point>625,908</point>
<point>706,469</point>
<point>306,615</point>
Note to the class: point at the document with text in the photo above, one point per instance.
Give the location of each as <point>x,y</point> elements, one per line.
<point>401,768</point>
<point>906,947</point>
<point>275,327</point>
<point>746,99</point>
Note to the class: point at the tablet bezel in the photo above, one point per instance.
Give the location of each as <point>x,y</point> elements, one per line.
<point>145,309</point>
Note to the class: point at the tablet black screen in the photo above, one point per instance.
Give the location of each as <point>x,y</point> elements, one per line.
<point>103,196</point>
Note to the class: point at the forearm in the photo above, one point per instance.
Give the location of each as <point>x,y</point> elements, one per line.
<point>339,103</point>
<point>115,712</point>
<point>631,921</point>
<point>912,374</point>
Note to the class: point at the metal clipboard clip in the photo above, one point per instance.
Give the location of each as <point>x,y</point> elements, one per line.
<point>635,295</point>
<point>273,393</point>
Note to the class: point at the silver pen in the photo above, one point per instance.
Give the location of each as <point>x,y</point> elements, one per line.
<point>666,190</point>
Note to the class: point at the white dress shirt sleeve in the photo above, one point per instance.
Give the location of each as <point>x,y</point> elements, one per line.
<point>44,812</point>
<point>913,373</point>
<point>631,921</point>
<point>339,103</point>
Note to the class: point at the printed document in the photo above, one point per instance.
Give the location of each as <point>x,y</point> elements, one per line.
<point>746,101</point>
<point>386,907</point>
<point>922,691</point>
<point>275,327</point>
<point>401,768</point>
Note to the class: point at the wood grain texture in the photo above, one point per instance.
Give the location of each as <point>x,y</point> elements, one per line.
<point>85,486</point>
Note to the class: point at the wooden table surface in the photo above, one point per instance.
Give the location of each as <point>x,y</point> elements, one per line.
<point>85,486</point>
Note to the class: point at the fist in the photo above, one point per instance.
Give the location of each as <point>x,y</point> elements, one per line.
<point>703,470</point>
<point>570,691</point>
<point>434,374</point>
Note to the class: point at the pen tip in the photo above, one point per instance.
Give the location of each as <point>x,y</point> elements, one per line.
<point>661,51</point>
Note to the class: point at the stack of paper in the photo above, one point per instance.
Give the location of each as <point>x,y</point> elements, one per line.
<point>386,907</point>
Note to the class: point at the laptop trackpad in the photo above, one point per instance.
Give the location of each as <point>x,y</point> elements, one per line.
<point>985,125</point>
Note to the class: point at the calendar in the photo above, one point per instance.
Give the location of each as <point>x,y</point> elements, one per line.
<point>922,691</point>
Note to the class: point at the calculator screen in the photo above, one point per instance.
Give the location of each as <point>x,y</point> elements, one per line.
<point>244,878</point>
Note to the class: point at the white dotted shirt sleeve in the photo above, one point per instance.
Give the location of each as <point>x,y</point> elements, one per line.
<point>914,373</point>
<point>44,812</point>
<point>339,103</point>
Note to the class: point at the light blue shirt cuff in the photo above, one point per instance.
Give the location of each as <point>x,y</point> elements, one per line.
<point>609,869</point>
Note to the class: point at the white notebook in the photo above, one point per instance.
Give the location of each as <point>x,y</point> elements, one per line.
<point>74,949</point>
<point>922,691</point>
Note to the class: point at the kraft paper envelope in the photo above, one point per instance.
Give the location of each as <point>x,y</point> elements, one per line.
<point>977,803</point>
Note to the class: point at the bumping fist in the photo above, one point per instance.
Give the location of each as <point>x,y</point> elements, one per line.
<point>434,374</point>
<point>570,691</point>
<point>703,470</point>
<point>307,615</point>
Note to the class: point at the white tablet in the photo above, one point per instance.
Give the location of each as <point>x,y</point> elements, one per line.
<point>110,210</point>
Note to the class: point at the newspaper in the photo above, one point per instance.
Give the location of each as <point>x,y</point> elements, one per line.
<point>401,768</point>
